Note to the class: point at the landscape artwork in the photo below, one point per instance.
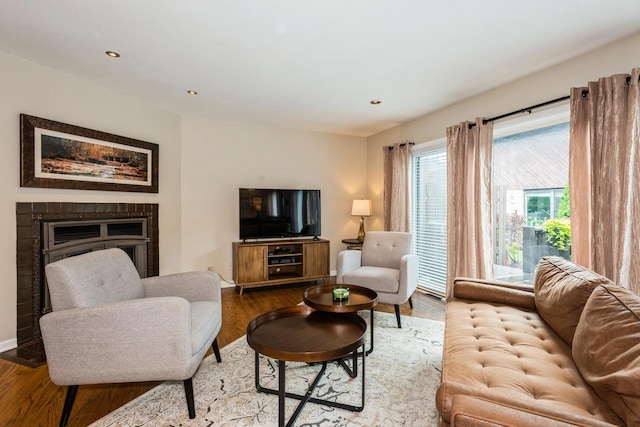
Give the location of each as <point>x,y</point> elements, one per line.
<point>70,158</point>
<point>60,155</point>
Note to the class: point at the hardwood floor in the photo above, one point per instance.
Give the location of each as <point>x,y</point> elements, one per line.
<point>28,398</point>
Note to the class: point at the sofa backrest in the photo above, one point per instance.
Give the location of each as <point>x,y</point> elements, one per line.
<point>385,248</point>
<point>93,278</point>
<point>561,291</point>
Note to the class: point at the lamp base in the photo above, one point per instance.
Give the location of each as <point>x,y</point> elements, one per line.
<point>361,230</point>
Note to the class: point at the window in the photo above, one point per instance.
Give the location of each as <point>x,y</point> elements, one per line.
<point>542,205</point>
<point>429,217</point>
<point>530,174</point>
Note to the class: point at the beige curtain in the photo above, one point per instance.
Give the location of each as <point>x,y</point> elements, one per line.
<point>396,186</point>
<point>604,177</point>
<point>469,159</point>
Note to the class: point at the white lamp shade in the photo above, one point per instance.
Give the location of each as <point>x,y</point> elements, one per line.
<point>361,208</point>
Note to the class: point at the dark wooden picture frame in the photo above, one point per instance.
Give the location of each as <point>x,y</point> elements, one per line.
<point>60,155</point>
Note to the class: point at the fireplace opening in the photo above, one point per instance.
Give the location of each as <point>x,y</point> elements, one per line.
<point>64,239</point>
<point>50,231</point>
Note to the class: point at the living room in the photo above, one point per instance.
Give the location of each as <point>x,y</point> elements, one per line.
<point>203,160</point>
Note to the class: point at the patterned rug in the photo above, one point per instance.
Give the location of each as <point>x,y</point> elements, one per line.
<point>402,375</point>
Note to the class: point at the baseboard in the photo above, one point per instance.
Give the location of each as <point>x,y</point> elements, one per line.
<point>228,284</point>
<point>8,345</point>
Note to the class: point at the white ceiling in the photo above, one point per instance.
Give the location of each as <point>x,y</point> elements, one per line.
<point>305,64</point>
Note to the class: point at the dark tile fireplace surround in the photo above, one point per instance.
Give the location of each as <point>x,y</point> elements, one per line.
<point>30,219</point>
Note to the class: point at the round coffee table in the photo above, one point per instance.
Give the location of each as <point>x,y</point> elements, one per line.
<point>303,334</point>
<point>320,297</point>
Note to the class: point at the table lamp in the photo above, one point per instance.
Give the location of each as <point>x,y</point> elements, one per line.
<point>361,208</point>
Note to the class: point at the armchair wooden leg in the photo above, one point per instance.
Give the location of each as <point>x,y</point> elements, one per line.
<point>397,307</point>
<point>68,404</point>
<point>410,303</point>
<point>188,392</point>
<point>216,350</point>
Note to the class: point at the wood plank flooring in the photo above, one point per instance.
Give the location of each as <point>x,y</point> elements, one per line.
<point>29,399</point>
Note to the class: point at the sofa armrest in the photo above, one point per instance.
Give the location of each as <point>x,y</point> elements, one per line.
<point>192,286</point>
<point>470,411</point>
<point>136,340</point>
<point>347,261</point>
<point>494,292</point>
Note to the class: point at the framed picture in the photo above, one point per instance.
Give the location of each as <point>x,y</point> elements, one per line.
<point>59,155</point>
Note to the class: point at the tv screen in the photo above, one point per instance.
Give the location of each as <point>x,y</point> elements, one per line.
<point>273,213</point>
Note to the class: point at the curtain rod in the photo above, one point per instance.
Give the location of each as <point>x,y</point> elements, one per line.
<point>402,144</point>
<point>585,92</point>
<point>522,110</point>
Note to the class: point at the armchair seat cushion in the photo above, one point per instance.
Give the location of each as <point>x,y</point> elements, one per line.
<point>379,279</point>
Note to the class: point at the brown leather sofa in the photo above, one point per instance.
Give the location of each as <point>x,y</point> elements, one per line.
<point>563,352</point>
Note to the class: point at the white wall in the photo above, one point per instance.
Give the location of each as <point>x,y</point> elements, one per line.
<point>219,157</point>
<point>202,164</point>
<point>551,83</point>
<point>31,89</point>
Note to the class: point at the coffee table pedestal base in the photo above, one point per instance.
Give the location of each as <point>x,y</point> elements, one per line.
<point>307,397</point>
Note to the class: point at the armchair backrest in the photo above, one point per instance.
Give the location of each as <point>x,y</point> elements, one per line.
<point>93,278</point>
<point>385,248</point>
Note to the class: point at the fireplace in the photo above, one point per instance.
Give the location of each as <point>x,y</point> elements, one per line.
<point>50,231</point>
<point>63,239</point>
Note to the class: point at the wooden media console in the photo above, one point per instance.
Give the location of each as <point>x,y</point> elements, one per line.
<point>276,262</point>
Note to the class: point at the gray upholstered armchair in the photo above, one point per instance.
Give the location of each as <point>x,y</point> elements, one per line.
<point>385,264</point>
<point>110,326</point>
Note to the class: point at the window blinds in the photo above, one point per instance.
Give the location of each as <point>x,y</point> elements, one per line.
<point>429,217</point>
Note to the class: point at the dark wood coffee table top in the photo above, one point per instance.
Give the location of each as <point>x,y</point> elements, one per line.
<point>320,297</point>
<point>303,334</point>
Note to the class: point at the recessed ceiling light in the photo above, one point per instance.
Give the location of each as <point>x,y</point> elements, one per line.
<point>375,102</point>
<point>112,54</point>
<point>192,92</point>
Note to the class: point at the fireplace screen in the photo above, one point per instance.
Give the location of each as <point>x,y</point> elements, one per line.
<point>63,239</point>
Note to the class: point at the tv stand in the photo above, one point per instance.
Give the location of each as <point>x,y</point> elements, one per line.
<point>277,262</point>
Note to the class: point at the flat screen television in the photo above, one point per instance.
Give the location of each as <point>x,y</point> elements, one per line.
<point>278,213</point>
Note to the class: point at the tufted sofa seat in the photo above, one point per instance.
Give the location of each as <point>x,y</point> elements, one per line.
<point>508,353</point>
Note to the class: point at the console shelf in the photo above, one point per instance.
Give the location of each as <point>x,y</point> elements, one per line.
<point>258,264</point>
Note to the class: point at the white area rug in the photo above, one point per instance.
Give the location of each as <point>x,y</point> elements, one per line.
<point>402,375</point>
